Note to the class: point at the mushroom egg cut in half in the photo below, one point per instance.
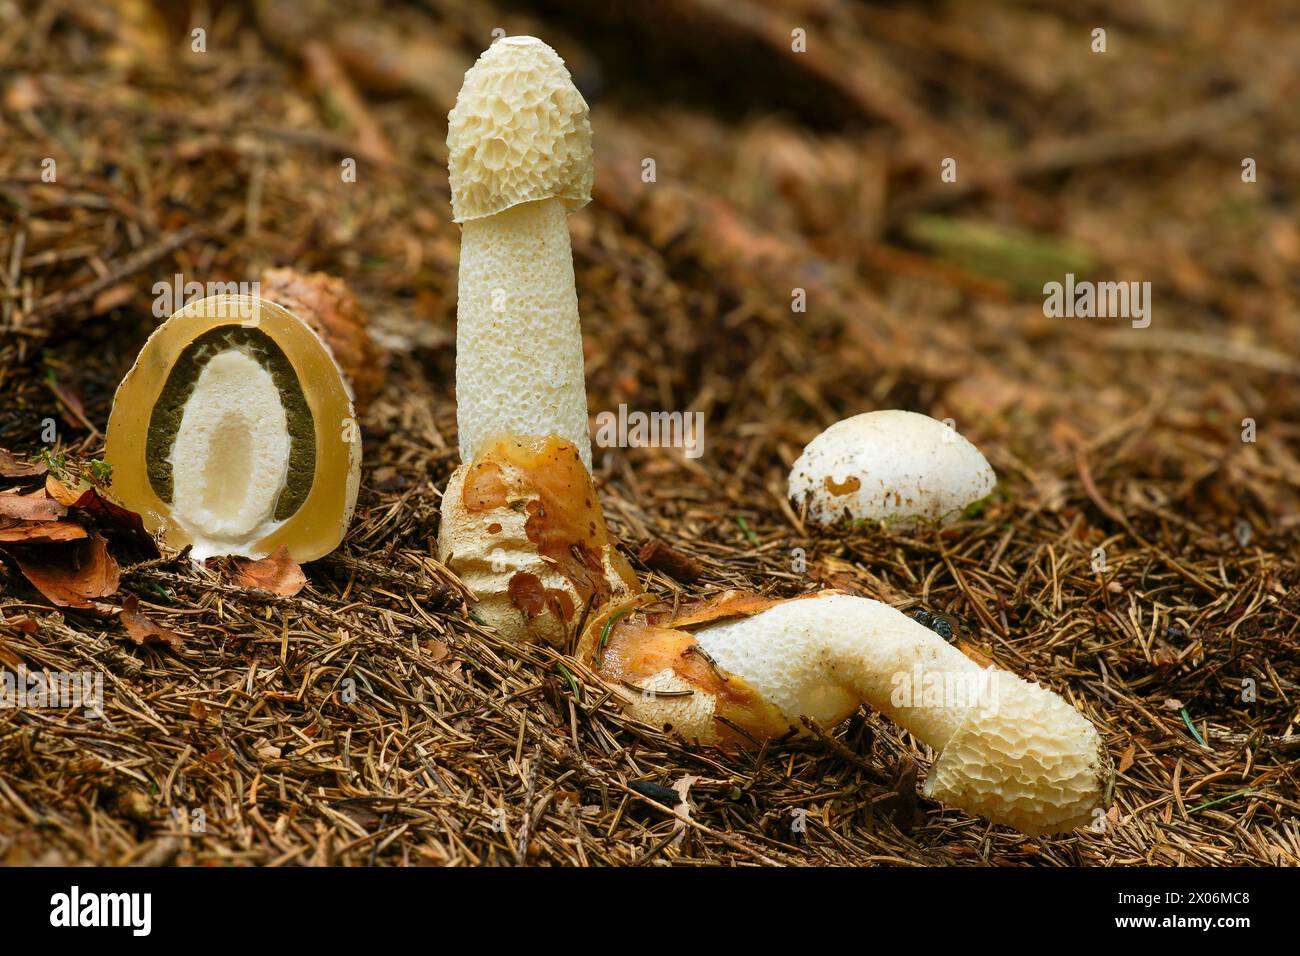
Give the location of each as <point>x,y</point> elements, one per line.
<point>234,433</point>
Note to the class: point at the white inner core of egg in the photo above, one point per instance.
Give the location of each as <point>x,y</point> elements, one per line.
<point>230,459</point>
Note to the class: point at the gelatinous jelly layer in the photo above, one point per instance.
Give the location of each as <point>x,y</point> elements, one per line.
<point>233,433</point>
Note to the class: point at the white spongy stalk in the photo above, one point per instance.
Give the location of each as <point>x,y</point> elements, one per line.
<point>230,457</point>
<point>823,656</point>
<point>668,702</point>
<point>519,364</point>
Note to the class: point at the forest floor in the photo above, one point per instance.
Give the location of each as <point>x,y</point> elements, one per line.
<point>1139,556</point>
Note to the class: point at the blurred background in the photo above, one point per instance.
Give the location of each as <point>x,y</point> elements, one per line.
<point>795,145</point>
<point>795,254</point>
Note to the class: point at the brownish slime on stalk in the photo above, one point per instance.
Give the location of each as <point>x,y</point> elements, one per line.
<point>564,520</point>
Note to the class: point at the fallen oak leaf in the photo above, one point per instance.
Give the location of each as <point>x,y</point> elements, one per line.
<point>113,297</point>
<point>144,631</point>
<point>61,492</point>
<point>326,304</point>
<point>903,805</point>
<point>43,532</point>
<point>35,507</point>
<point>658,555</point>
<point>111,516</point>
<point>682,811</point>
<point>1126,759</point>
<point>74,410</point>
<point>70,575</point>
<point>11,467</point>
<point>277,573</point>
<point>11,660</point>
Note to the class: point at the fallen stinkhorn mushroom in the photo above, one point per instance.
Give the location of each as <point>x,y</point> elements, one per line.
<point>892,466</point>
<point>745,666</point>
<point>521,525</point>
<point>234,433</point>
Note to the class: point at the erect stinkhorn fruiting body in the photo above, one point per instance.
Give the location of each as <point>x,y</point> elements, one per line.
<point>1008,749</point>
<point>521,524</point>
<point>523,530</point>
<point>327,304</point>
<point>234,433</point>
<point>519,146</point>
<point>892,466</point>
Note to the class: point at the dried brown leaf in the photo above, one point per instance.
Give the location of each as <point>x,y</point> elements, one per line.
<point>60,492</point>
<point>74,409</point>
<point>277,573</point>
<point>113,297</point>
<point>22,623</point>
<point>144,631</point>
<point>1126,759</point>
<point>43,532</point>
<point>661,556</point>
<point>327,304</point>
<point>110,517</point>
<point>11,467</point>
<point>10,659</point>
<point>71,575</point>
<point>31,507</point>
<point>113,517</point>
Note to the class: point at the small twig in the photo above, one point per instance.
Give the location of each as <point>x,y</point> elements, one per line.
<point>1262,740</point>
<point>131,264</point>
<point>838,748</point>
<point>643,691</point>
<point>521,853</point>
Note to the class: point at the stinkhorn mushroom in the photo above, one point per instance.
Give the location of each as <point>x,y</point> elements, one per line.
<point>891,466</point>
<point>234,433</point>
<point>744,666</point>
<point>521,525</point>
<point>519,146</point>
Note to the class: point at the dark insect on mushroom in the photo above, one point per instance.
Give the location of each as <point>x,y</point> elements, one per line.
<point>939,623</point>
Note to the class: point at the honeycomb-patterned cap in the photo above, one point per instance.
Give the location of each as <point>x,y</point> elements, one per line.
<point>1035,763</point>
<point>518,132</point>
